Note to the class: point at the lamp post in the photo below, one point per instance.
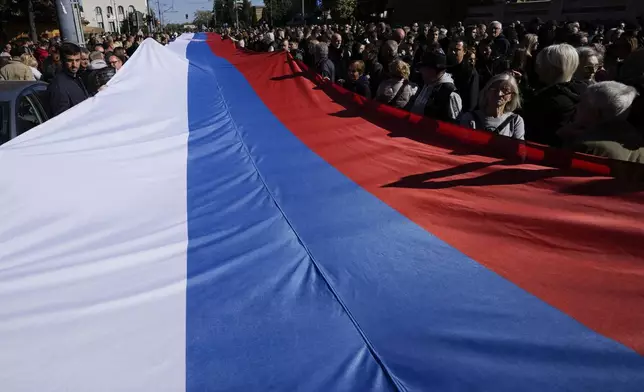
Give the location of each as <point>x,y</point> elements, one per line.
<point>236,15</point>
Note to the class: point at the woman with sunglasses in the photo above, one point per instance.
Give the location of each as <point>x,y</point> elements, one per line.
<point>588,65</point>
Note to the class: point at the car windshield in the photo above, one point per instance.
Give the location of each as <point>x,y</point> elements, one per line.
<point>5,130</point>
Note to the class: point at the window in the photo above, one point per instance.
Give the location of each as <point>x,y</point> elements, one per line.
<point>121,11</point>
<point>112,27</point>
<point>99,17</point>
<point>131,9</point>
<point>110,12</point>
<point>5,130</point>
<point>27,114</point>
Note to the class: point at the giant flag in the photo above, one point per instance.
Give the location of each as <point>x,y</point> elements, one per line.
<point>214,220</point>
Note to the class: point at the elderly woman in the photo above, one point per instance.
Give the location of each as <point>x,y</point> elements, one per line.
<point>396,91</point>
<point>553,106</point>
<point>588,65</point>
<point>600,126</point>
<point>497,103</point>
<point>323,65</point>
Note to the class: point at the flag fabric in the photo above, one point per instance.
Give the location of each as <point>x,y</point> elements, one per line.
<point>215,221</point>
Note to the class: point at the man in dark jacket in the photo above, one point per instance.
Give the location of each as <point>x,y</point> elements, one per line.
<point>52,65</point>
<point>438,98</point>
<point>466,79</point>
<point>336,55</point>
<point>500,45</point>
<point>550,109</point>
<point>67,89</point>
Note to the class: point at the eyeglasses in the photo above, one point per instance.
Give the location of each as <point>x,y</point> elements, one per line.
<point>504,91</point>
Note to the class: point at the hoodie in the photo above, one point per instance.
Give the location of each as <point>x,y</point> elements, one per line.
<point>550,109</point>
<point>439,100</point>
<point>97,64</point>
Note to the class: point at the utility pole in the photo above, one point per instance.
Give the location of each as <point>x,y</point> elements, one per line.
<point>159,17</point>
<point>67,22</point>
<point>32,21</point>
<point>236,15</point>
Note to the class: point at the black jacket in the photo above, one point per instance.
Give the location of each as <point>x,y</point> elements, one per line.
<point>550,109</point>
<point>466,80</point>
<point>337,57</point>
<point>50,69</point>
<point>360,87</point>
<point>65,91</point>
<point>501,46</point>
<point>487,68</point>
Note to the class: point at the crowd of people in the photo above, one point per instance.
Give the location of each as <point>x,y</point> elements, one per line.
<point>74,73</point>
<point>571,85</point>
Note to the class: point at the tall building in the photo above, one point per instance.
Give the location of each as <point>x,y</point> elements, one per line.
<point>109,15</point>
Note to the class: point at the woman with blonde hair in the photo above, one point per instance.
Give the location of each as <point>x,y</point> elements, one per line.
<point>530,43</point>
<point>397,90</point>
<point>30,61</point>
<point>498,101</point>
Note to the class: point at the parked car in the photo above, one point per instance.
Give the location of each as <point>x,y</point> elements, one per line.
<point>23,105</point>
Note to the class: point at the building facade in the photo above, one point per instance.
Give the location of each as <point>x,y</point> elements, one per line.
<point>110,15</point>
<point>590,10</point>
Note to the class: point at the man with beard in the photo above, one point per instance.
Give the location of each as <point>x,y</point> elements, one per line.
<point>67,89</point>
<point>336,55</point>
<point>466,79</point>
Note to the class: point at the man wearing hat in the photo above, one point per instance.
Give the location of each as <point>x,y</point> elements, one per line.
<point>438,98</point>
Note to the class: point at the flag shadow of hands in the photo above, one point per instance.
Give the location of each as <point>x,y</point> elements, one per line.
<point>511,175</point>
<point>287,77</point>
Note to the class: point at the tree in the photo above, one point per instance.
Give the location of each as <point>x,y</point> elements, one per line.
<point>341,9</point>
<point>223,12</point>
<point>246,12</point>
<point>28,13</point>
<point>31,14</point>
<point>277,11</point>
<point>202,18</point>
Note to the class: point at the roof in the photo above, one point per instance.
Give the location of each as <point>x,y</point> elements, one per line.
<point>9,89</point>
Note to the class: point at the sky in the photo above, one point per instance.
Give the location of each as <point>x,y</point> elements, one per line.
<point>183,7</point>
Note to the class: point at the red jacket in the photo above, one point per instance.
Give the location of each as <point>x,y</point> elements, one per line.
<point>41,54</point>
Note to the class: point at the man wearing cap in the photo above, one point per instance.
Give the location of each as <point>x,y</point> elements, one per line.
<point>438,98</point>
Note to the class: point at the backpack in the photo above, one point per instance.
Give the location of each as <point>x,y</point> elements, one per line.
<point>393,100</point>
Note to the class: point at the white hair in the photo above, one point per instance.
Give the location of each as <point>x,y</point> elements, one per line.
<point>609,100</point>
<point>557,63</point>
<point>584,54</point>
<point>321,51</point>
<point>502,78</point>
<point>496,23</point>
